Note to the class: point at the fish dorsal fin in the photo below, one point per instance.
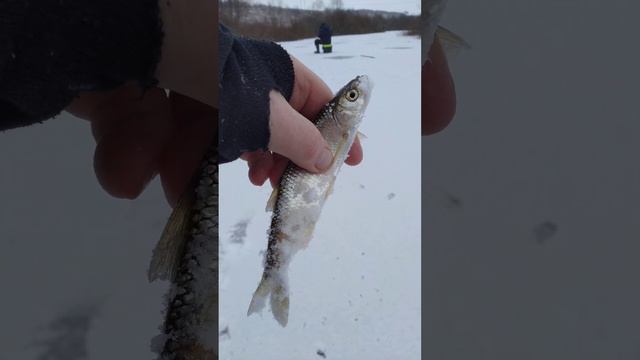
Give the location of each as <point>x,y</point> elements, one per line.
<point>168,251</point>
<point>271,203</point>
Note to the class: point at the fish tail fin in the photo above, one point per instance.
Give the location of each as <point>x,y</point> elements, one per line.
<point>260,296</point>
<point>280,303</point>
<point>275,287</point>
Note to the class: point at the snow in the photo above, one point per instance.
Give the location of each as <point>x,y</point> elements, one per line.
<point>545,141</point>
<point>355,290</point>
<point>65,246</point>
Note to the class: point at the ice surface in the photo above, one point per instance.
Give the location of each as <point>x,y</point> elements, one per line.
<point>64,242</point>
<point>356,306</point>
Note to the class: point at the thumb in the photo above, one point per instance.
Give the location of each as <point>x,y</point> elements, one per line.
<point>295,137</point>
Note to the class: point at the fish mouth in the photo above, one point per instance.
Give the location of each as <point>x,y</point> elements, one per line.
<point>364,82</point>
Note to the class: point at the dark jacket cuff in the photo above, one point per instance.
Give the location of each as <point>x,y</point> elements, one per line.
<point>249,70</point>
<point>52,50</point>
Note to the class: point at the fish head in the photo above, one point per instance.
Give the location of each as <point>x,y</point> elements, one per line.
<point>352,100</point>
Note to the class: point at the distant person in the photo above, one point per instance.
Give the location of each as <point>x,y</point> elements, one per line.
<point>324,38</point>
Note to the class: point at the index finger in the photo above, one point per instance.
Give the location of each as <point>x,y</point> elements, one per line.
<point>310,93</point>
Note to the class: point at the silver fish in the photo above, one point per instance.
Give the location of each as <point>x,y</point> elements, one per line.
<point>298,199</point>
<point>187,255</point>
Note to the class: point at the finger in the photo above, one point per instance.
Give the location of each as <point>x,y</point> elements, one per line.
<point>438,92</point>
<point>260,163</point>
<point>295,137</point>
<point>91,101</point>
<point>194,129</point>
<point>278,163</point>
<point>130,138</point>
<point>277,169</point>
<point>310,93</point>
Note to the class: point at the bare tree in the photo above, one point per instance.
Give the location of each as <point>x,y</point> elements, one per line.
<point>317,5</point>
<point>337,4</point>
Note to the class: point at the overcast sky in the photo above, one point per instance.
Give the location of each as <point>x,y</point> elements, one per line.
<point>410,6</point>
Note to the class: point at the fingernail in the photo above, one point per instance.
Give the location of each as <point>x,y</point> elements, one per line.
<point>324,160</point>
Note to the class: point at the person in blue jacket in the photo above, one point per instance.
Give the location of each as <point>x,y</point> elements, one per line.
<point>324,36</point>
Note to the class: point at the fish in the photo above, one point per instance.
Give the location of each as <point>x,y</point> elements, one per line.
<point>187,256</point>
<point>297,201</point>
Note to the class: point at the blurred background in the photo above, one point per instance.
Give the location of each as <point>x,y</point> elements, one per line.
<point>73,260</point>
<point>531,197</point>
<point>284,20</point>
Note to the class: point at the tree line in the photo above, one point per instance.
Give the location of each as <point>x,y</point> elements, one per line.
<point>277,23</point>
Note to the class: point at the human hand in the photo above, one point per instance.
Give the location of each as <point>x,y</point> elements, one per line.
<point>438,92</point>
<point>140,136</point>
<point>293,135</point>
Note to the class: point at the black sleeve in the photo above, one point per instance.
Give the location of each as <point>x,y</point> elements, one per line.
<point>52,50</point>
<point>248,71</point>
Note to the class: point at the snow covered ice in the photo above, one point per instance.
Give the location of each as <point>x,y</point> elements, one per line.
<point>356,288</point>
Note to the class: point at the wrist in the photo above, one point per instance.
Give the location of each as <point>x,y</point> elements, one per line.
<point>188,63</point>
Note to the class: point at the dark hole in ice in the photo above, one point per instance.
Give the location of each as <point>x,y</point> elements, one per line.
<point>225,333</point>
<point>239,231</point>
<point>453,201</point>
<point>339,57</point>
<point>68,339</point>
<point>321,354</point>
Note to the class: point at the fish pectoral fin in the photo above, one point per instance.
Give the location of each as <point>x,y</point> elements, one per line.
<point>330,188</point>
<point>271,203</point>
<point>171,244</point>
<point>361,136</point>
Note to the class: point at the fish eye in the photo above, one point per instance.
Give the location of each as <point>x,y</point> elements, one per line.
<point>352,95</point>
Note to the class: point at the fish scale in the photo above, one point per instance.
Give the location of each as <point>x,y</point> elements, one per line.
<point>188,255</point>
